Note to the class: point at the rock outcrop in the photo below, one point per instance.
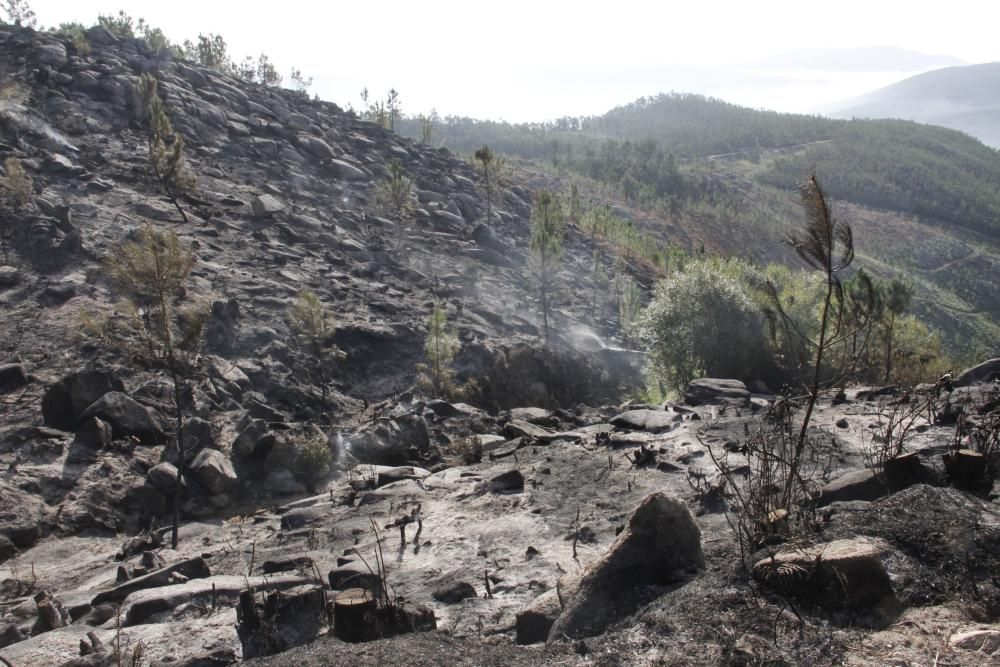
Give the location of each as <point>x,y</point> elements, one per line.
<point>660,546</point>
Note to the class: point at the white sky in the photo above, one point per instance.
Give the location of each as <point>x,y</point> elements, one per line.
<point>534,60</point>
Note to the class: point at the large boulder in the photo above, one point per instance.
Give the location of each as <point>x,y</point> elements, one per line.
<point>660,546</point>
<point>214,471</point>
<point>648,420</point>
<point>127,417</point>
<point>714,391</point>
<point>854,485</point>
<point>842,573</point>
<point>391,442</point>
<point>987,371</point>
<point>64,402</point>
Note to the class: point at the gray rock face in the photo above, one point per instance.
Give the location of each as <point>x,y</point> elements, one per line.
<point>214,471</point>
<point>265,206</point>
<point>127,417</point>
<point>391,442</point>
<point>53,55</point>
<point>348,171</point>
<point>709,391</point>
<point>661,545</point>
<point>979,374</point>
<point>64,402</point>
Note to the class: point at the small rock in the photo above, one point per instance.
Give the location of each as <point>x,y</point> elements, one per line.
<point>301,517</point>
<point>984,641</point>
<point>842,423</point>
<point>214,471</point>
<point>454,592</point>
<point>164,477</point>
<point>12,376</point>
<point>511,481</point>
<point>265,206</point>
<point>533,623</point>
<point>9,277</point>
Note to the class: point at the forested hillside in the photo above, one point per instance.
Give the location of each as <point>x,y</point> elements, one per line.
<point>699,173</point>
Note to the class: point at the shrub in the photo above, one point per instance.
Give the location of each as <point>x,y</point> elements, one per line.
<point>153,274</point>
<point>470,449</point>
<point>77,34</point>
<point>436,375</point>
<point>313,327</point>
<point>702,322</point>
<point>166,147</point>
<point>17,191</point>
<point>312,457</point>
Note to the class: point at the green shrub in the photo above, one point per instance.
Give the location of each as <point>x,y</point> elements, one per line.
<point>703,322</point>
<point>312,457</point>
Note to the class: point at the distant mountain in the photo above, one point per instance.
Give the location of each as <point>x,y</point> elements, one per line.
<point>861,59</point>
<point>962,98</point>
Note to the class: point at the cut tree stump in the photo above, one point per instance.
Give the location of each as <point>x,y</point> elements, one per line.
<point>354,615</point>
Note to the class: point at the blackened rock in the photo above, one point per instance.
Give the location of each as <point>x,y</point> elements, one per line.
<point>511,481</point>
<point>711,391</point>
<point>12,376</point>
<point>454,592</point>
<point>64,402</point>
<point>854,485</point>
<point>660,546</point>
<point>842,573</point>
<point>214,471</point>
<point>127,417</point>
<point>287,564</point>
<point>532,624</point>
<point>164,477</point>
<point>301,517</point>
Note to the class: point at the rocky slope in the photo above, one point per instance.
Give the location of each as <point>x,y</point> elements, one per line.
<point>587,524</point>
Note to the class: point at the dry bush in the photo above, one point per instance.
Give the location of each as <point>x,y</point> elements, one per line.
<point>765,503</point>
<point>470,449</point>
<point>895,422</point>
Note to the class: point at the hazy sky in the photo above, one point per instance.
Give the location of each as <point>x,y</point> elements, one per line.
<point>535,60</point>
